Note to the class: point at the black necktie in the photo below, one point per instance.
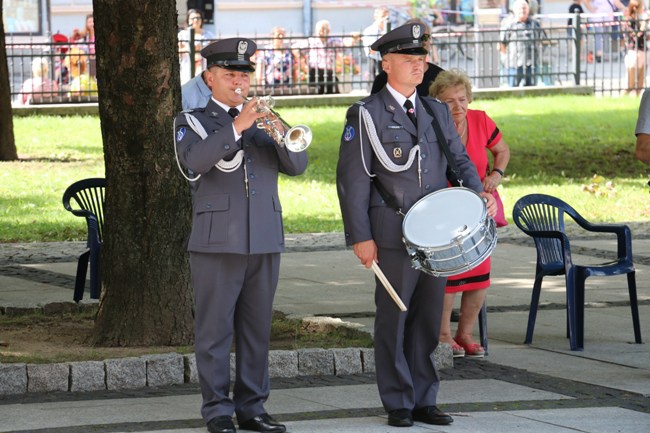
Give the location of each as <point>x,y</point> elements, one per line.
<point>233,112</point>
<point>410,111</point>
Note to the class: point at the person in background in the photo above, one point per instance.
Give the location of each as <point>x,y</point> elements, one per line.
<point>520,45</point>
<point>600,24</point>
<point>635,25</point>
<point>201,38</point>
<point>642,131</point>
<point>196,93</point>
<point>85,39</point>
<point>377,153</point>
<point>370,34</point>
<point>477,132</point>
<point>321,58</point>
<point>276,64</point>
<point>236,238</point>
<point>82,83</point>
<point>40,87</point>
<point>431,70</point>
<point>60,44</point>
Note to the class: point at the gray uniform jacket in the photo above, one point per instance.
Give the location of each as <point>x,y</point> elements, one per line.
<point>365,214</point>
<point>224,218</point>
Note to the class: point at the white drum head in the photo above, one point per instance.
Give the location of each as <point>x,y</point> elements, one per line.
<point>442,216</point>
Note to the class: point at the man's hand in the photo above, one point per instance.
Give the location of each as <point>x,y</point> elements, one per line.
<point>367,252</point>
<point>248,116</point>
<point>490,203</point>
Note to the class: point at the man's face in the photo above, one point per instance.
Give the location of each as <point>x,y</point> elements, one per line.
<point>522,10</point>
<point>404,71</point>
<point>224,82</point>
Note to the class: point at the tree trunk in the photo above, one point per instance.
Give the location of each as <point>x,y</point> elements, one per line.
<point>7,141</point>
<point>146,297</point>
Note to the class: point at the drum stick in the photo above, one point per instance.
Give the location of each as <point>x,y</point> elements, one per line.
<point>393,294</point>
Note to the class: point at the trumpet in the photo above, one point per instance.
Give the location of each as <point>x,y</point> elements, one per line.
<point>296,139</point>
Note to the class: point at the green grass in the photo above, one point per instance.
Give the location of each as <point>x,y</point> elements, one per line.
<point>557,145</point>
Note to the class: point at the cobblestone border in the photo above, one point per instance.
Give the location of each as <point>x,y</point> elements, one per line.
<point>175,369</point>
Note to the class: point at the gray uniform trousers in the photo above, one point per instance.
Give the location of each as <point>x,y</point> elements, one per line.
<point>405,341</point>
<point>233,293</point>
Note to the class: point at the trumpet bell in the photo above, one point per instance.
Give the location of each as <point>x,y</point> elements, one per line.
<point>298,138</point>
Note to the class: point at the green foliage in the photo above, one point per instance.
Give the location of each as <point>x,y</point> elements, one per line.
<point>557,145</point>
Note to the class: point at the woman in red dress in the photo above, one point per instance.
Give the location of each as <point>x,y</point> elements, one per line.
<point>477,132</point>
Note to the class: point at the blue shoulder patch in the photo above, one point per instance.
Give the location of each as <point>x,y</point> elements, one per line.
<point>348,133</point>
<point>180,133</point>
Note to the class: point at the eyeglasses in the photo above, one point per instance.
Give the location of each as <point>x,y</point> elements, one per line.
<point>196,19</point>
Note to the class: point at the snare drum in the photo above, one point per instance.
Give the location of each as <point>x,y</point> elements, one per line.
<point>449,232</point>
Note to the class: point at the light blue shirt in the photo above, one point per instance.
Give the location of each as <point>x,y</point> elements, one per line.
<point>195,93</point>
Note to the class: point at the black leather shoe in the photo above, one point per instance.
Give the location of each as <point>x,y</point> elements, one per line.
<point>263,423</point>
<point>221,424</point>
<point>432,415</point>
<point>400,418</point>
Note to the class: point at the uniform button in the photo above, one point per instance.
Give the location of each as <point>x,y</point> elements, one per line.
<point>421,140</point>
<point>252,175</point>
<point>208,206</point>
<point>249,160</point>
<point>227,147</point>
<point>423,155</point>
<point>253,192</point>
<point>426,170</point>
<point>427,187</point>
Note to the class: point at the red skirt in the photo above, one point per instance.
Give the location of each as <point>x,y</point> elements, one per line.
<point>474,279</point>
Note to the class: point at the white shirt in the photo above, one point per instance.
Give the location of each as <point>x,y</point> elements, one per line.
<point>226,108</point>
<point>401,99</point>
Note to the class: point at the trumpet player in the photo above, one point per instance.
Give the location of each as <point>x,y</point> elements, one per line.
<point>236,239</point>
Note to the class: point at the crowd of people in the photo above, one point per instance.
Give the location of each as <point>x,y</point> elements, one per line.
<point>69,71</point>
<point>322,61</point>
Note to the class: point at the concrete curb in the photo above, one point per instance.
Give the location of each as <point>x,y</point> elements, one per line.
<point>174,369</point>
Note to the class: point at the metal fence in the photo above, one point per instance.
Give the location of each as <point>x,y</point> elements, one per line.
<point>587,52</point>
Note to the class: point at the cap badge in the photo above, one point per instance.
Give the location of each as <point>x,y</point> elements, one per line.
<point>416,31</point>
<point>241,50</point>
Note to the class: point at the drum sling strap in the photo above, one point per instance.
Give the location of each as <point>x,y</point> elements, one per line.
<point>452,169</point>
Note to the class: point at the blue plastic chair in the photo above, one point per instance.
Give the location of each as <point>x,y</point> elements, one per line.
<point>542,217</point>
<point>88,194</point>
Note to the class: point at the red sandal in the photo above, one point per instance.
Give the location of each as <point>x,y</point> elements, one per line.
<point>472,350</point>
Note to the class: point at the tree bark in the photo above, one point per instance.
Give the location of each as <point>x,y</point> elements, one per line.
<point>7,141</point>
<point>146,297</point>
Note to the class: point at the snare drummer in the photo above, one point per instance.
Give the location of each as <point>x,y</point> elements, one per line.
<point>380,141</point>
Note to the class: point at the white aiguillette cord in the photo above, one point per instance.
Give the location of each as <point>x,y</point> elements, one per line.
<point>223,165</point>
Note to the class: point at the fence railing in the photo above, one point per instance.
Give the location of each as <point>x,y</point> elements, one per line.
<point>591,53</point>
